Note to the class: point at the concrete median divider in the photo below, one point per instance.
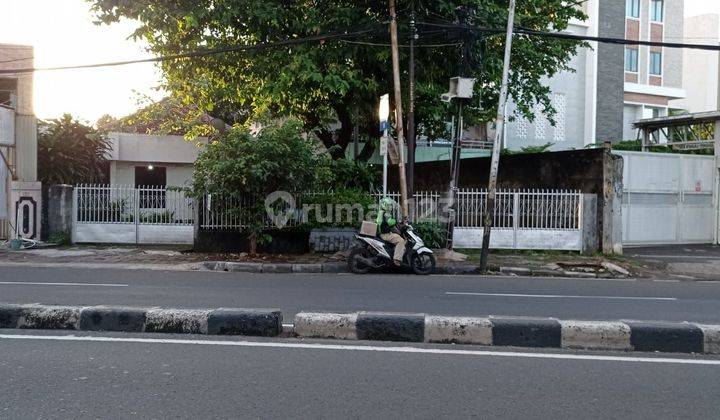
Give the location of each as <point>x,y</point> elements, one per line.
<point>643,336</point>
<point>248,322</point>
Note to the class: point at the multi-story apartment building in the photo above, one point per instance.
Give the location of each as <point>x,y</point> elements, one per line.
<point>612,86</point>
<point>653,75</point>
<point>19,190</point>
<point>700,67</point>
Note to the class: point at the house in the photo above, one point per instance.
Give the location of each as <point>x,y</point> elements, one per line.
<point>152,160</point>
<point>20,191</point>
<point>700,68</point>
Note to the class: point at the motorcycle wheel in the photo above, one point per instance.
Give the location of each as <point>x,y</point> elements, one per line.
<point>422,264</point>
<point>354,264</point>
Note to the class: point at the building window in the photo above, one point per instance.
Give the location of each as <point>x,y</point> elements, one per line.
<point>656,10</point>
<point>656,63</point>
<point>632,9</point>
<point>631,60</point>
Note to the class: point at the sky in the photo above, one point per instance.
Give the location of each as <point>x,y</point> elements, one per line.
<point>63,33</point>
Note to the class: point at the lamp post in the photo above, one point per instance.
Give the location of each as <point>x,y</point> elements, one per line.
<point>384,114</point>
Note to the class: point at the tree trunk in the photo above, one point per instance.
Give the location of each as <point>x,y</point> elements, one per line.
<point>253,243</point>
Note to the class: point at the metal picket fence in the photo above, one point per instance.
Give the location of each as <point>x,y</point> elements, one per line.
<point>156,214</point>
<point>514,209</point>
<point>118,204</point>
<point>129,214</point>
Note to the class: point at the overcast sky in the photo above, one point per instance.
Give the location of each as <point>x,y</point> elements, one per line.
<point>63,34</point>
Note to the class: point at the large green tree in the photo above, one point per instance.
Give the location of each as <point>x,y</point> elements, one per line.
<point>340,80</point>
<point>70,152</point>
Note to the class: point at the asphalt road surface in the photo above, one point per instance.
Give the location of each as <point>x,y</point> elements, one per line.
<point>50,375</point>
<point>669,300</point>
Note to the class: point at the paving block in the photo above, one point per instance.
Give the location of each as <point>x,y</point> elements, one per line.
<point>252,322</point>
<point>457,269</point>
<point>666,337</point>
<point>390,327</point>
<point>9,315</point>
<point>579,275</point>
<point>520,271</point>
<point>461,330</point>
<point>244,267</point>
<point>326,325</point>
<point>711,338</point>
<point>179,321</point>
<point>334,267</point>
<point>45,317</point>
<point>276,268</point>
<point>596,335</point>
<point>525,332</point>
<point>307,268</point>
<point>111,318</point>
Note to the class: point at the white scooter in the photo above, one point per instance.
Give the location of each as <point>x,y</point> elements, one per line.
<point>374,253</point>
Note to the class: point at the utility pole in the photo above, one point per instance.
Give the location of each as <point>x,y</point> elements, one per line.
<point>411,105</point>
<point>398,112</point>
<point>499,129</point>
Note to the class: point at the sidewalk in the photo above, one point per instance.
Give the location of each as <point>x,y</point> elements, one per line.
<point>518,263</point>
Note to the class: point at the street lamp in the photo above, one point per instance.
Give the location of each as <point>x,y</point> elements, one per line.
<point>384,114</point>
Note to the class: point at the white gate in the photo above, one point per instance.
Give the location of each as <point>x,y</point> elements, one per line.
<point>125,214</point>
<point>668,198</point>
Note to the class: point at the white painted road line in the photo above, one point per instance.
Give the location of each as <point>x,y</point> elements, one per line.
<point>61,284</point>
<point>559,296</point>
<point>336,347</point>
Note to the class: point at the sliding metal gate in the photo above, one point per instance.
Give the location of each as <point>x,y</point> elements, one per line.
<point>668,198</point>
<point>125,214</point>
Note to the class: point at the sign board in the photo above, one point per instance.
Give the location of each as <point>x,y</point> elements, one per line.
<point>383,146</point>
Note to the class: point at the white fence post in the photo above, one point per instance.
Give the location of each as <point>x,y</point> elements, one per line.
<point>516,215</point>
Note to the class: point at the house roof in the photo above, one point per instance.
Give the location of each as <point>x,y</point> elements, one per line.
<point>678,120</point>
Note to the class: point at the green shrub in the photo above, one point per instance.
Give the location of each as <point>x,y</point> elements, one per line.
<point>432,233</point>
<point>341,208</point>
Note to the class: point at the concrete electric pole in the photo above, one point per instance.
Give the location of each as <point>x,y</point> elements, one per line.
<point>398,112</point>
<point>497,144</point>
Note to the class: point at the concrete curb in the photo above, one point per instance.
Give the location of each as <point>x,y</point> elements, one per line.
<point>250,322</point>
<point>643,336</point>
<point>341,267</point>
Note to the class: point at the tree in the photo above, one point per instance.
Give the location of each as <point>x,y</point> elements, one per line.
<point>340,80</point>
<point>168,116</point>
<point>280,157</point>
<point>71,152</point>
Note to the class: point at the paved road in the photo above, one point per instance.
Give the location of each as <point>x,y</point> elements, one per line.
<point>166,378</point>
<point>451,295</point>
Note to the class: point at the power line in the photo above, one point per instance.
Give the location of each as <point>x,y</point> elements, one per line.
<point>377,44</point>
<point>202,53</point>
<point>17,59</point>
<point>559,35</point>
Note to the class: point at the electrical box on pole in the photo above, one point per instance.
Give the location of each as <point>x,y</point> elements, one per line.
<point>461,90</point>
